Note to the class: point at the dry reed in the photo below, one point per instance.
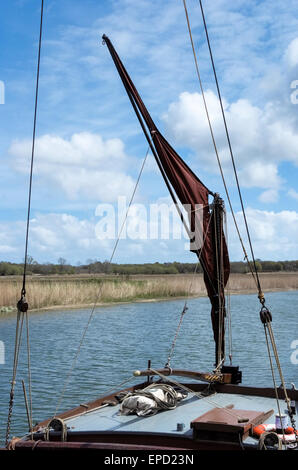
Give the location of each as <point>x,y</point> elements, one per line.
<point>74,291</point>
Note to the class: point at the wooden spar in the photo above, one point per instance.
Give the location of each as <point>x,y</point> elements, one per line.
<point>203,376</point>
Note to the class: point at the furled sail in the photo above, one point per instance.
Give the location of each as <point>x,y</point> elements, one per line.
<point>205,220</point>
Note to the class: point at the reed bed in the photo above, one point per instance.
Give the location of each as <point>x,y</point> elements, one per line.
<point>73,291</point>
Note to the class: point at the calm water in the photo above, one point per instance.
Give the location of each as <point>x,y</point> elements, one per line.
<point>122,338</point>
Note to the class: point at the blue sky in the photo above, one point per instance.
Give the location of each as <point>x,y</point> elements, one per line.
<point>89,146</point>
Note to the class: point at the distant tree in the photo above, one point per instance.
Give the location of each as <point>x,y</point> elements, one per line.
<point>106,266</point>
<point>271,266</point>
<point>258,266</point>
<point>239,267</point>
<point>62,264</point>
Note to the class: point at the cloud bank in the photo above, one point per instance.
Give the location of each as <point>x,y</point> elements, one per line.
<point>85,166</point>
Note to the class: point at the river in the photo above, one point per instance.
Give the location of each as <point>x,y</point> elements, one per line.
<point>122,338</point>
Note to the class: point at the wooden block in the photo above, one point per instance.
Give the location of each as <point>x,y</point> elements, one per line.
<point>226,424</point>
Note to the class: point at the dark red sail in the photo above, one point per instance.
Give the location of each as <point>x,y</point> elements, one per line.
<point>205,222</point>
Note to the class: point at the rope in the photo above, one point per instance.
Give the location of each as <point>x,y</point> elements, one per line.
<point>18,338</point>
<point>267,314</point>
<point>266,435</point>
<point>185,308</point>
<point>215,146</point>
<point>116,387</point>
<point>168,402</point>
<point>22,304</point>
<point>100,290</point>
<point>199,395</point>
<point>32,154</point>
<point>107,392</point>
<point>261,295</point>
<point>273,378</point>
<point>136,106</point>
<point>269,332</point>
<point>29,371</point>
<point>130,202</point>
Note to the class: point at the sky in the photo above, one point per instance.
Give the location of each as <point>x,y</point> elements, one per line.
<point>89,146</point>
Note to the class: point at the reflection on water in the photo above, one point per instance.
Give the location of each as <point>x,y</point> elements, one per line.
<point>122,338</point>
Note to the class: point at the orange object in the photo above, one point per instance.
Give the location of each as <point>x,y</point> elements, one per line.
<point>289,434</point>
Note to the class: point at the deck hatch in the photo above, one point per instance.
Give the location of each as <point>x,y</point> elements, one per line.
<point>227,424</point>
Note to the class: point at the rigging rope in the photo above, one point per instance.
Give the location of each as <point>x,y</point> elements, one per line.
<point>199,395</point>
<point>273,377</point>
<point>265,313</point>
<point>185,308</point>
<point>100,289</point>
<point>260,293</point>
<point>22,303</point>
<point>266,320</point>
<point>18,337</point>
<point>214,144</point>
<point>32,154</point>
<point>102,395</point>
<point>29,372</point>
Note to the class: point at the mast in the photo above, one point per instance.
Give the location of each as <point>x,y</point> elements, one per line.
<point>219,311</point>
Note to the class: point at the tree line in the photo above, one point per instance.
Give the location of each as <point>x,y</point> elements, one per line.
<point>104,267</point>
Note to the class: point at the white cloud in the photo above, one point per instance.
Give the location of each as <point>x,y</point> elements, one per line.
<point>291,53</point>
<point>6,249</point>
<point>274,234</point>
<point>259,140</point>
<point>85,166</point>
<point>63,235</point>
<point>59,233</point>
<point>293,194</point>
<point>11,239</point>
<point>79,84</point>
<point>259,174</point>
<point>52,236</point>
<point>269,196</point>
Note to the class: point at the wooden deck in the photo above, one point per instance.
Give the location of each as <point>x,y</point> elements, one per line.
<point>100,424</point>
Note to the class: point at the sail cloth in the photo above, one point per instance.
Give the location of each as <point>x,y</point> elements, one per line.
<point>205,228</point>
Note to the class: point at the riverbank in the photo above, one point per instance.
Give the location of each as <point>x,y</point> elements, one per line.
<point>46,292</point>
